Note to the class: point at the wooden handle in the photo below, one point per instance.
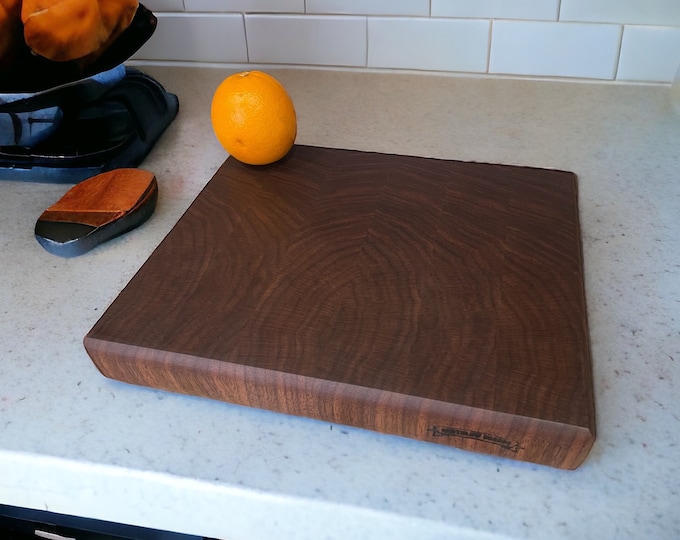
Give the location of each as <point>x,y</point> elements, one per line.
<point>103,198</point>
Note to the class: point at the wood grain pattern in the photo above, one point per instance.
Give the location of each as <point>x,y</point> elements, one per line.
<point>103,198</point>
<point>432,299</point>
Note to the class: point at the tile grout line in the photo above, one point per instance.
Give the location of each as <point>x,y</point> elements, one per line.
<point>245,37</point>
<point>490,44</point>
<point>366,41</point>
<point>618,55</point>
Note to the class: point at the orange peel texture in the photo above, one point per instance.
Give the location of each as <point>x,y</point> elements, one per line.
<point>254,118</point>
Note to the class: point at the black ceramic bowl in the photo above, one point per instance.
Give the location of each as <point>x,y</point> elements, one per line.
<point>34,74</point>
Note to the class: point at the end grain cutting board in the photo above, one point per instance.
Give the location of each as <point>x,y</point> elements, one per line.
<point>432,299</point>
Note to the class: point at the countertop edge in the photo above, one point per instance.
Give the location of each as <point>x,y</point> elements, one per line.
<point>184,505</point>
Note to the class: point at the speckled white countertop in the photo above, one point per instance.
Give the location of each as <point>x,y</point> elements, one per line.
<point>72,441</point>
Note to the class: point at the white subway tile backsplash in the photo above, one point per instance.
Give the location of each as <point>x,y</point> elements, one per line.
<point>630,40</point>
<point>370,7</point>
<point>497,9</point>
<point>661,12</point>
<point>307,39</point>
<point>196,38</point>
<point>554,49</point>
<point>246,6</point>
<point>430,44</point>
<point>164,5</point>
<point>649,53</point>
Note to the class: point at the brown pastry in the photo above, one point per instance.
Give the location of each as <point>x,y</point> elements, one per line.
<point>10,31</point>
<point>64,30</point>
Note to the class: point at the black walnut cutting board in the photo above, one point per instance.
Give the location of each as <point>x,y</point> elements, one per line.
<point>432,299</point>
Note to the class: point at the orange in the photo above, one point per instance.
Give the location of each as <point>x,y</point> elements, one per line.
<point>253,117</point>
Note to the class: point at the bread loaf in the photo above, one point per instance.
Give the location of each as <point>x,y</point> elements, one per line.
<point>63,30</point>
<point>10,31</point>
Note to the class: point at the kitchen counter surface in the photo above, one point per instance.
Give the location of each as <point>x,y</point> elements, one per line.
<point>72,441</point>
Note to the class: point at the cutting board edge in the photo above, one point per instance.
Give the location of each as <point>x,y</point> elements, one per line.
<point>485,431</point>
